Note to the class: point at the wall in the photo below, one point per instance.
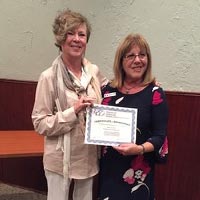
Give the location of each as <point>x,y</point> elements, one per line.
<point>171,27</point>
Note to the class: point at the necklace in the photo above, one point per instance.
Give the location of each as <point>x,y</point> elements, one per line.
<point>128,89</point>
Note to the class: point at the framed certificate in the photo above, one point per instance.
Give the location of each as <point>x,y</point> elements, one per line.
<point>110,125</point>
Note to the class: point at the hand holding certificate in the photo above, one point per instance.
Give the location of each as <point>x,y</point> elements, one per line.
<point>110,125</point>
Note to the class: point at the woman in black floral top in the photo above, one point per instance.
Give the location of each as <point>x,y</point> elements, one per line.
<point>127,171</point>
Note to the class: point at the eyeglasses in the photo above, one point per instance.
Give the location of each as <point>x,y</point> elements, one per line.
<point>132,57</point>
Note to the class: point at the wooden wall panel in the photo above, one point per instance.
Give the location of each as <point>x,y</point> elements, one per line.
<point>25,172</point>
<point>17,98</point>
<point>178,179</point>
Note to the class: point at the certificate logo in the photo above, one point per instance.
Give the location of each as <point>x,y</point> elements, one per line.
<point>98,112</point>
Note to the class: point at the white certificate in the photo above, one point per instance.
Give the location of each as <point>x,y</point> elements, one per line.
<point>110,125</point>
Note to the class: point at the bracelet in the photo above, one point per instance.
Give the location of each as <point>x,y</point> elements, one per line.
<point>143,149</point>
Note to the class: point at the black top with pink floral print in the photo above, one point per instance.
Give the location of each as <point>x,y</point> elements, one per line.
<point>132,177</point>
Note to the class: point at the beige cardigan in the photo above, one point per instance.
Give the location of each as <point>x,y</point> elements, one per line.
<point>64,141</point>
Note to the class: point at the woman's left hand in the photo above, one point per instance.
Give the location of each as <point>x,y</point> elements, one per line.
<point>82,103</point>
<point>128,149</point>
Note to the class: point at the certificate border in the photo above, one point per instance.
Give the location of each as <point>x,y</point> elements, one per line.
<point>114,108</point>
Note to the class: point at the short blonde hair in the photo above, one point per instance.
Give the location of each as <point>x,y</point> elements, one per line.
<point>68,20</point>
<point>125,46</point>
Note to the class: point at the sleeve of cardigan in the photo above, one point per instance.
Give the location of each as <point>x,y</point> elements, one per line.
<point>46,119</point>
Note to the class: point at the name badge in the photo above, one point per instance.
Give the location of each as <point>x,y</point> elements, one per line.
<point>112,94</point>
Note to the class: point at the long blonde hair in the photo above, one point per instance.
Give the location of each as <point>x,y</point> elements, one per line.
<point>123,48</point>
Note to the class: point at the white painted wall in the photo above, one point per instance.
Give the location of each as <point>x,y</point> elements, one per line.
<point>172,29</point>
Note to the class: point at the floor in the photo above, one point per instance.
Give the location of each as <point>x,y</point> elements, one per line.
<point>8,192</point>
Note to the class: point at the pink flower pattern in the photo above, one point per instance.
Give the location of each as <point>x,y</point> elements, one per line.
<point>140,169</point>
<point>140,164</point>
<point>129,180</point>
<point>164,149</point>
<point>137,173</point>
<point>106,100</point>
<point>157,98</point>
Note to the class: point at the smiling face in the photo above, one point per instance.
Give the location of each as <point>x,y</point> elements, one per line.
<point>132,62</point>
<point>75,43</point>
<point>135,64</point>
